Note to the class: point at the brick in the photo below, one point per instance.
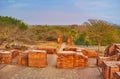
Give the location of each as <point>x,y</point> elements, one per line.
<point>23,59</point>
<point>113,69</point>
<point>108,68</point>
<point>59,39</point>
<point>116,75</point>
<point>80,60</point>
<point>49,50</point>
<point>111,58</point>
<point>70,49</point>
<point>70,59</point>
<point>90,54</point>
<point>69,41</point>
<point>37,58</point>
<point>65,59</point>
<point>0,57</point>
<point>5,57</point>
<point>15,53</point>
<point>112,50</point>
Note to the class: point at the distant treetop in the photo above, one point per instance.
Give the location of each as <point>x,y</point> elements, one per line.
<point>6,21</point>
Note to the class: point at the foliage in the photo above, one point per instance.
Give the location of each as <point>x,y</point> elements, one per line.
<point>100,32</point>
<point>74,34</point>
<point>92,32</point>
<point>12,22</point>
<point>10,28</point>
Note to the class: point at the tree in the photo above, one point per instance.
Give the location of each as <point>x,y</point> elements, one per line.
<point>65,31</point>
<point>101,32</point>
<point>6,21</point>
<point>74,34</point>
<point>10,28</point>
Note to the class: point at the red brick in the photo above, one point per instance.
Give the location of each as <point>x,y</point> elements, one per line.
<point>15,53</point>
<point>49,50</point>
<point>37,58</point>
<point>23,59</point>
<point>108,68</point>
<point>111,58</point>
<point>116,75</point>
<point>65,59</point>
<point>80,60</point>
<point>90,54</point>
<point>70,49</point>
<point>112,50</point>
<point>5,57</point>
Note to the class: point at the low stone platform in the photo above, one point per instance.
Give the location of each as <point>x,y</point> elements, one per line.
<point>50,72</point>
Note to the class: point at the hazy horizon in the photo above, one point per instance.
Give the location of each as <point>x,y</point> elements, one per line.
<point>61,12</point>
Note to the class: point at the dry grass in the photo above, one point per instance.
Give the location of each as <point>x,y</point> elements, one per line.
<point>45,44</point>
<point>50,44</point>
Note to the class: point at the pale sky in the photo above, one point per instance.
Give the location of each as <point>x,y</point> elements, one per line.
<point>61,12</point>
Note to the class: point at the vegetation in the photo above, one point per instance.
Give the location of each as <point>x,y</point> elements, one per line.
<point>100,32</point>
<point>12,22</point>
<point>11,28</point>
<point>92,32</point>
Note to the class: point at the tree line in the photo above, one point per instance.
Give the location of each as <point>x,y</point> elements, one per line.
<point>92,32</point>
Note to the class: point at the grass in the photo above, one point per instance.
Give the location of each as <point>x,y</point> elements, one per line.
<point>50,44</point>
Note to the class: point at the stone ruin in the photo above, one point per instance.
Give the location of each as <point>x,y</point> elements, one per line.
<point>110,63</point>
<point>59,39</point>
<point>112,49</point>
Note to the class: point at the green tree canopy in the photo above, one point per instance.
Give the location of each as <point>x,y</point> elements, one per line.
<point>101,32</point>
<point>10,28</point>
<point>6,21</point>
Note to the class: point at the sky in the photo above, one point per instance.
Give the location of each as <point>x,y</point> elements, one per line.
<point>61,12</point>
